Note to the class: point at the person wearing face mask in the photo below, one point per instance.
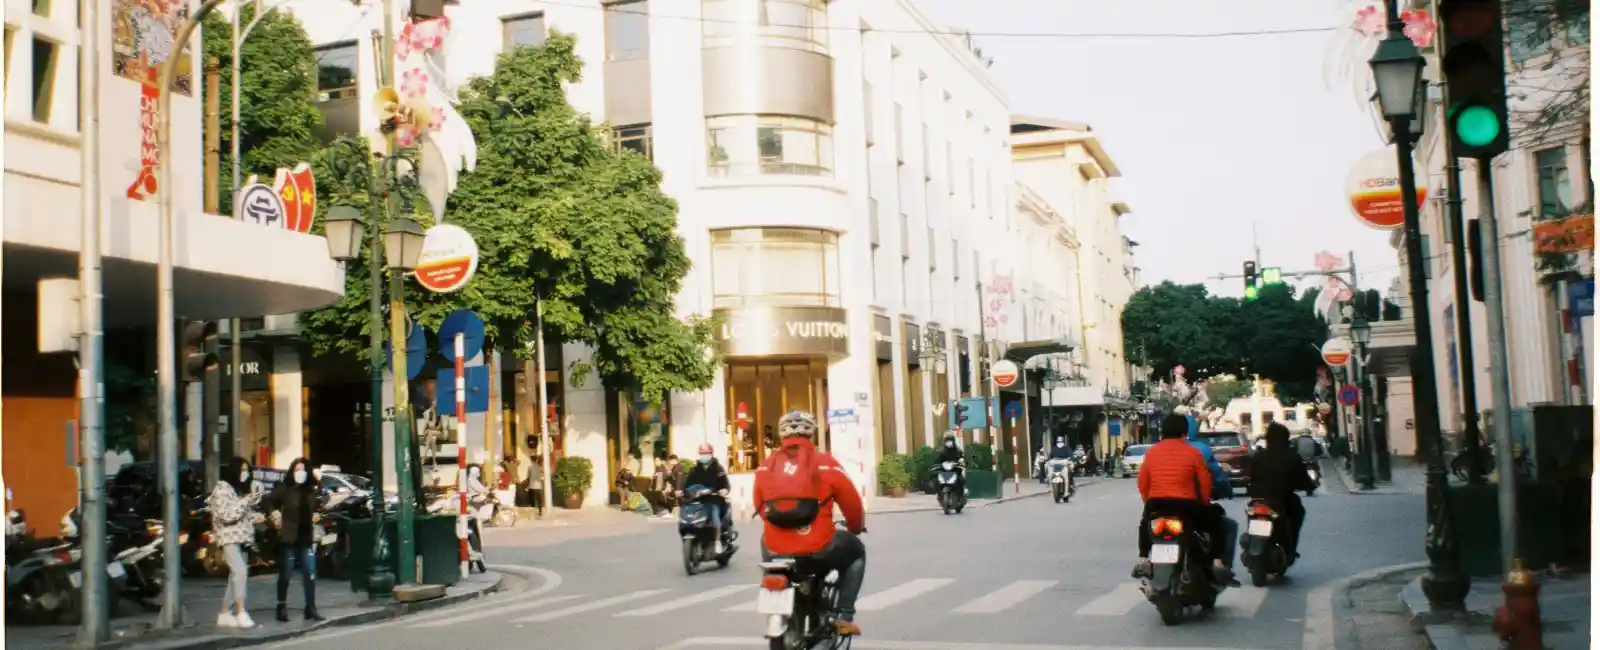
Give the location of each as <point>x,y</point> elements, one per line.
<point>950,451</point>
<point>296,501</point>
<point>709,472</point>
<point>231,524</point>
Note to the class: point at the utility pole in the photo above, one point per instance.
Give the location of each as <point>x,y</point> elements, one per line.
<point>544,422</point>
<point>211,444</point>
<point>1467,369</point>
<point>95,629</point>
<point>1367,472</point>
<point>990,413</point>
<point>1499,368</point>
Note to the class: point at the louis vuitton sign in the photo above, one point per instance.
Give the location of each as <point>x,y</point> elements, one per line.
<point>769,331</point>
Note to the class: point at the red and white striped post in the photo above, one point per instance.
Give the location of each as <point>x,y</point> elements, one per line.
<point>1016,459</point>
<point>461,447</point>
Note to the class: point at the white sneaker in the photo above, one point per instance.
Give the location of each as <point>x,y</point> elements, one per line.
<point>717,548</point>
<point>245,621</point>
<point>227,620</point>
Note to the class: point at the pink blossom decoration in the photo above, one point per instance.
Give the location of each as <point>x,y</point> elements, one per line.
<point>405,135</point>
<point>402,44</point>
<point>436,122</point>
<point>428,35</point>
<point>414,83</point>
<point>1420,27</point>
<point>1370,20</point>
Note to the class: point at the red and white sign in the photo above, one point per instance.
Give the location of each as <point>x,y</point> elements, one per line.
<point>1374,189</point>
<point>1336,352</point>
<point>144,186</point>
<point>299,193</point>
<point>449,258</point>
<point>1005,373</point>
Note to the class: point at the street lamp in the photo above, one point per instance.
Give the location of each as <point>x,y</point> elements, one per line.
<point>403,241</point>
<point>1366,469</point>
<point>345,233</point>
<point>1397,71</point>
<point>1360,331</point>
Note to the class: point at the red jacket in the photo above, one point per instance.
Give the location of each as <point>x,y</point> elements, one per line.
<point>835,487</point>
<point>1174,469</point>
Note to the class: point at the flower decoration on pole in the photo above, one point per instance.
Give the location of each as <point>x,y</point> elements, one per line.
<point>1346,62</point>
<point>422,112</point>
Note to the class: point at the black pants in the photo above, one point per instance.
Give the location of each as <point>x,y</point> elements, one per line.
<point>1200,515</point>
<point>1297,514</point>
<point>846,554</point>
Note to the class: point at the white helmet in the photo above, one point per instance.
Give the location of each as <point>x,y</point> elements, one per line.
<point>797,423</point>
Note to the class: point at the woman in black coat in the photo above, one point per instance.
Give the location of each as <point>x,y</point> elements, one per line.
<point>296,500</point>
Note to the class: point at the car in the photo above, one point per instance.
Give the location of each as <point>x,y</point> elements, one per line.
<point>1232,453</point>
<point>1131,459</point>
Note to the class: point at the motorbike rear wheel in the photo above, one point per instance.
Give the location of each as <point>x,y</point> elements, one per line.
<point>691,562</point>
<point>1170,609</point>
<point>1258,576</point>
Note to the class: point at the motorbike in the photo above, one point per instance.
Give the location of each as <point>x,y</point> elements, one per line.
<point>1316,477</point>
<point>333,540</point>
<point>1062,487</point>
<point>952,490</point>
<point>694,526</point>
<point>495,513</point>
<point>1180,571</point>
<point>1264,553</point>
<point>38,588</point>
<point>798,597</point>
<point>142,566</point>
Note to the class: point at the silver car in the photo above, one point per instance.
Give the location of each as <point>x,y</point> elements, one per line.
<point>1131,460</point>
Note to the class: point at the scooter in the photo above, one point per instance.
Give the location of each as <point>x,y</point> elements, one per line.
<point>952,490</point>
<point>798,596</point>
<point>694,526</point>
<point>1316,477</point>
<point>1180,575</point>
<point>1264,553</point>
<point>1062,485</point>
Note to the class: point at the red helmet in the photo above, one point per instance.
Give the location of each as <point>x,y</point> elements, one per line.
<point>705,448</point>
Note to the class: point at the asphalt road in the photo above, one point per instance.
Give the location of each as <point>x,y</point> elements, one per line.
<point>1026,575</point>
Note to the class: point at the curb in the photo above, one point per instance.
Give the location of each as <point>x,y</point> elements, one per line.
<point>1324,628</point>
<point>372,615</point>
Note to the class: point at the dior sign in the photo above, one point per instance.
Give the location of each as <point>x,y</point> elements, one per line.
<point>771,331</point>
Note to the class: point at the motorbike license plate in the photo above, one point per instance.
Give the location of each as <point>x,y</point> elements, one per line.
<point>1261,527</point>
<point>775,602</point>
<point>948,478</point>
<point>328,540</point>
<point>1056,479</point>
<point>76,579</point>
<point>115,570</point>
<point>1164,554</point>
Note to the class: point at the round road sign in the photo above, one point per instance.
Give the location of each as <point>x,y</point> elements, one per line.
<point>1005,373</point>
<point>449,258</point>
<point>1349,395</point>
<point>1336,352</point>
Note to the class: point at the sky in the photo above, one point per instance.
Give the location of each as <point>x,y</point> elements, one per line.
<point>1214,136</point>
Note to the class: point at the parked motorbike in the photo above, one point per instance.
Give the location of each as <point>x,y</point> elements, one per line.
<point>144,571</point>
<point>694,526</point>
<point>799,597</point>
<point>1264,549</point>
<point>949,475</point>
<point>1181,573</point>
<point>37,587</point>
<point>1062,487</point>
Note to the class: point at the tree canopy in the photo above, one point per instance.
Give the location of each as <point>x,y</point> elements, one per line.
<point>1277,335</point>
<point>558,214</point>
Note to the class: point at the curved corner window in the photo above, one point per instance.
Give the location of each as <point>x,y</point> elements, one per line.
<point>800,24</point>
<point>749,145</point>
<point>754,267</point>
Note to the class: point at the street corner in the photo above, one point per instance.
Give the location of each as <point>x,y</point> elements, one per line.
<point>1328,606</point>
<point>527,580</point>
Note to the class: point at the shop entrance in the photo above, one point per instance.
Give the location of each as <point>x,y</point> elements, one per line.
<point>760,392</point>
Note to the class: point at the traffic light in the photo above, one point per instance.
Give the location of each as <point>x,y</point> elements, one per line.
<point>1474,66</point>
<point>1250,280</point>
<point>960,415</point>
<point>1272,275</point>
<point>200,341</point>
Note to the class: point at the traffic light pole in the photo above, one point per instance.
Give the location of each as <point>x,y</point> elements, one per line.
<point>1499,370</point>
<point>95,628</point>
<point>1472,438</point>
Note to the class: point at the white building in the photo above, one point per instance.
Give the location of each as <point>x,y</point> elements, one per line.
<point>222,267</point>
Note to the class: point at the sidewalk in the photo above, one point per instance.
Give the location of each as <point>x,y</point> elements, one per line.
<point>921,502</point>
<point>134,628</point>
<point>1563,606</point>
<point>1408,476</point>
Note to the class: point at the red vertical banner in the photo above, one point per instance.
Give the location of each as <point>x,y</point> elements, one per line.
<point>144,186</point>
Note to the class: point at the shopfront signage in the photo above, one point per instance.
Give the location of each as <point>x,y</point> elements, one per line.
<point>769,331</point>
<point>253,368</point>
<point>883,337</point>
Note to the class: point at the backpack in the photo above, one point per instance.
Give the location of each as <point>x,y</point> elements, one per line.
<point>791,490</point>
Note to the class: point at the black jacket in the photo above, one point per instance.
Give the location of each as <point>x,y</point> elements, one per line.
<point>296,504</point>
<point>711,475</point>
<point>950,453</point>
<point>1277,472</point>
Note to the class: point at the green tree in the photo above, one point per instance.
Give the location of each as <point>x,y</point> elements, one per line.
<point>1179,324</point>
<point>1280,337</point>
<point>560,214</point>
<point>1222,389</point>
<point>278,116</point>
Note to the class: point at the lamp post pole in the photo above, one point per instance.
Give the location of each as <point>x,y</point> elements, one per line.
<point>95,628</point>
<point>1444,585</point>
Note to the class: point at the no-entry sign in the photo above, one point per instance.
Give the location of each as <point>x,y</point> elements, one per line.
<point>1005,373</point>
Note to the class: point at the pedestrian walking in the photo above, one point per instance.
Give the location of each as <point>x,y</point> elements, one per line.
<point>233,527</point>
<point>295,502</point>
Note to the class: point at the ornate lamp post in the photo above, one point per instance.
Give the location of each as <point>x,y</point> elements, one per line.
<point>1397,69</point>
<point>1366,465</point>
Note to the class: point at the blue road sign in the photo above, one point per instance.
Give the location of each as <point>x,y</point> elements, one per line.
<point>460,321</point>
<point>1581,295</point>
<point>416,350</point>
<point>1013,411</point>
<point>969,413</point>
<point>1349,395</point>
<point>1115,429</point>
<point>477,390</point>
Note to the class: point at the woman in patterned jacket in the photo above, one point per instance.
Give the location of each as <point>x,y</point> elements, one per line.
<point>233,526</point>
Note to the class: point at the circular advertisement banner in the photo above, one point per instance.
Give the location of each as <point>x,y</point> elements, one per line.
<point>1374,190</point>
<point>1336,352</point>
<point>449,258</point>
<point>1005,373</point>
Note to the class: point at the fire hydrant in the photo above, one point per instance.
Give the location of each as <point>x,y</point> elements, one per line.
<point>1517,621</point>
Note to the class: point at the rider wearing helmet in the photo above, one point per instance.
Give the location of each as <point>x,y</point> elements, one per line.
<point>801,475</point>
<point>710,473</point>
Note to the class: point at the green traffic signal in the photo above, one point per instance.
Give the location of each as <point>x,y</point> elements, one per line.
<point>1476,125</point>
<point>1249,293</point>
<point>1272,275</point>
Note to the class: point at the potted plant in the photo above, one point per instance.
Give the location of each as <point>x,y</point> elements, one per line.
<point>894,474</point>
<point>573,476</point>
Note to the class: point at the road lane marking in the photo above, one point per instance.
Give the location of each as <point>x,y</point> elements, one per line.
<point>691,600</point>
<point>492,612</point>
<point>1243,603</point>
<point>1117,602</point>
<point>589,607</point>
<point>1005,597</point>
<point>899,594</point>
<point>743,607</point>
<point>864,644</point>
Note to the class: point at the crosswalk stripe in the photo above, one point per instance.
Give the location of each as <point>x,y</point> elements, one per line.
<point>900,593</point>
<point>688,601</point>
<point>1117,602</point>
<point>493,611</point>
<point>589,607</point>
<point>1241,603</point>
<point>1005,597</point>
<point>743,607</point>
